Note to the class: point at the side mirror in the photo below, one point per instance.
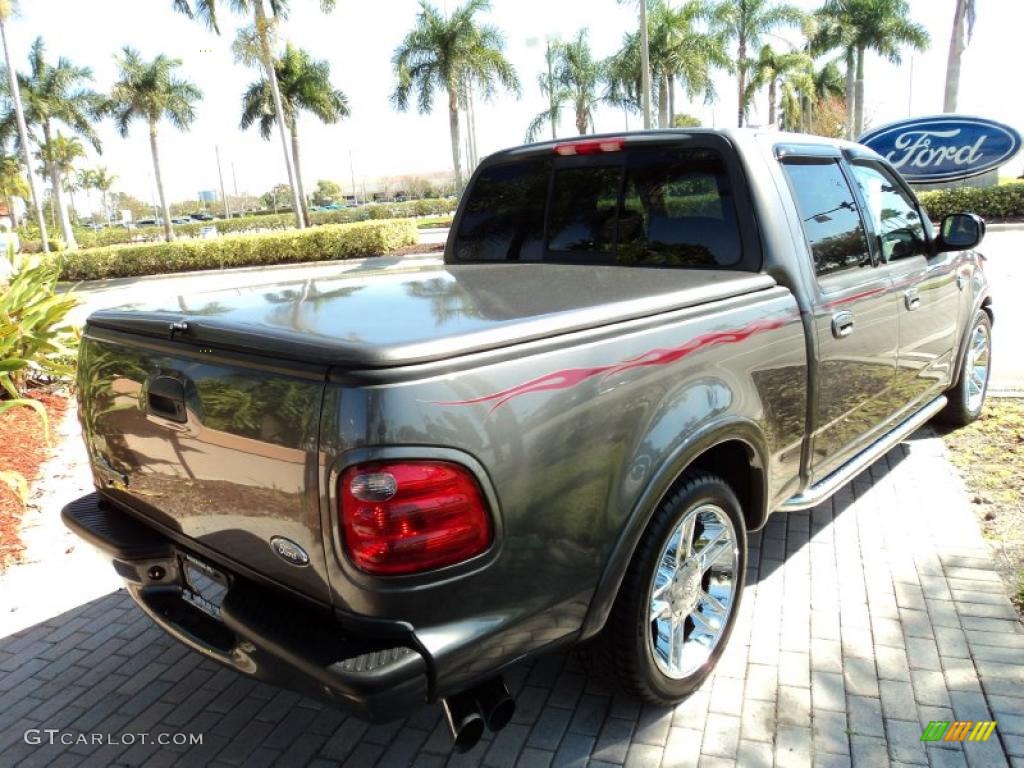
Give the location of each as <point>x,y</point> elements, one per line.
<point>960,232</point>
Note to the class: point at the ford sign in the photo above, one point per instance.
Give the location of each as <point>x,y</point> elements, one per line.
<point>944,147</point>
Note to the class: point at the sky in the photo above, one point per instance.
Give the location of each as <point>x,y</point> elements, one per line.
<point>358,40</point>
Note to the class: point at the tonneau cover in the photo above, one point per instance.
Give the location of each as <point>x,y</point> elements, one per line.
<point>424,315</point>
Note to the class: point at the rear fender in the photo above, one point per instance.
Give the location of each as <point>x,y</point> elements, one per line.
<point>684,456</point>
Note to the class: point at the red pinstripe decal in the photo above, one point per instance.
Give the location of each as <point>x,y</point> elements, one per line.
<point>571,377</point>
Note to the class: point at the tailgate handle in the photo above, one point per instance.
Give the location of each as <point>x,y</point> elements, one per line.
<point>165,398</point>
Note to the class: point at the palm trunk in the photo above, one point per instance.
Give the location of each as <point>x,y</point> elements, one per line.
<point>275,89</point>
<point>453,125</point>
<point>57,182</point>
<point>154,148</point>
<point>851,99</point>
<point>662,102</point>
<point>859,120</point>
<point>671,101</point>
<point>582,117</point>
<point>26,157</point>
<point>298,169</point>
<point>771,101</point>
<point>742,80</point>
<point>956,49</point>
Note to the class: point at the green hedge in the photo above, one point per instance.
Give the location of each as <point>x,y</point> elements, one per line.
<point>326,243</point>
<point>1005,201</point>
<point>377,211</point>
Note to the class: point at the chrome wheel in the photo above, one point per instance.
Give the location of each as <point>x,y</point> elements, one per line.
<point>693,591</point>
<point>977,367</point>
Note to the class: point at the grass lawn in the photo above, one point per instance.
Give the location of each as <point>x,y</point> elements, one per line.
<point>431,222</point>
<point>990,456</point>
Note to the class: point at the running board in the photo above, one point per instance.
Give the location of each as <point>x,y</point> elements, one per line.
<point>828,485</point>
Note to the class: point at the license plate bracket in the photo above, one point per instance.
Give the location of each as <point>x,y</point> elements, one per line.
<point>203,585</point>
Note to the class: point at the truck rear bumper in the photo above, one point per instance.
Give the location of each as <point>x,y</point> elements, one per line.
<point>262,632</point>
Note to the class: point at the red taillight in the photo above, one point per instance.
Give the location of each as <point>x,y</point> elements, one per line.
<point>409,516</point>
<point>589,147</point>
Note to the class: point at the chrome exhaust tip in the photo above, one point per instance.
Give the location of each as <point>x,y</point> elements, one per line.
<point>464,720</point>
<point>495,703</point>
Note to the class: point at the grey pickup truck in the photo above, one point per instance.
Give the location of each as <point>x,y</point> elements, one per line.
<point>385,489</point>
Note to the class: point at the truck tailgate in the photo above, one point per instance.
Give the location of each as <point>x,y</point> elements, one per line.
<point>212,447</point>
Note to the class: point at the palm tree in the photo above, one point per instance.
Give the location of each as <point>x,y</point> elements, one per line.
<point>682,52</point>
<point>206,10</point>
<point>8,8</point>
<point>305,84</point>
<point>58,156</point>
<point>83,182</point>
<point>623,76</point>
<point>881,26</point>
<point>57,95</point>
<point>445,52</point>
<point>679,53</point>
<point>103,182</point>
<point>788,71</point>
<point>963,20</point>
<point>554,94</point>
<point>833,31</point>
<point>746,22</point>
<point>150,91</point>
<point>577,75</point>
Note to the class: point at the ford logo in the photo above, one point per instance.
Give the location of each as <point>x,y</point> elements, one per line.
<point>944,147</point>
<point>289,551</point>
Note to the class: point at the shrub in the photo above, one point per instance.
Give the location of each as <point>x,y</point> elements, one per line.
<point>326,243</point>
<point>1005,201</point>
<point>36,342</point>
<point>258,222</point>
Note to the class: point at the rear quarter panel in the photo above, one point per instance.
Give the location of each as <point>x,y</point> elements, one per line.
<point>566,436</point>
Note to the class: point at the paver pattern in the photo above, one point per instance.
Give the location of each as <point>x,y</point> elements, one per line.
<point>862,621</point>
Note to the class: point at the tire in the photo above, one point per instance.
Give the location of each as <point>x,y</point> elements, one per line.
<point>626,645</point>
<point>967,398</point>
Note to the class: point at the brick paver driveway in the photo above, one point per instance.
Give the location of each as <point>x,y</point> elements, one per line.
<point>863,620</point>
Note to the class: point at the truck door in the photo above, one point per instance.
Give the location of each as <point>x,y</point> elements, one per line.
<point>928,297</point>
<point>854,315</point>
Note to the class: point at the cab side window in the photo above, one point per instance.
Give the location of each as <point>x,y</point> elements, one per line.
<point>829,214</point>
<point>896,220</point>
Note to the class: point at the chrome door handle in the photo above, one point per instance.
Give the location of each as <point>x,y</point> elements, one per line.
<point>961,281</point>
<point>842,324</point>
<point>912,299</point>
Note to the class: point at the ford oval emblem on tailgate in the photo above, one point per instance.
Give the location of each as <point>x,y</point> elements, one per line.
<point>288,550</point>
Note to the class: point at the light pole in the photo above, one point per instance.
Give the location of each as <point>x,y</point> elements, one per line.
<point>645,65</point>
<point>550,41</point>
<point>352,175</point>
<point>220,175</point>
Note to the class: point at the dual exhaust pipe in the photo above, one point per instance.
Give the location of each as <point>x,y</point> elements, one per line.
<point>489,704</point>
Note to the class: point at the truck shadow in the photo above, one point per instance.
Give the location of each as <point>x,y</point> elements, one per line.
<point>104,668</point>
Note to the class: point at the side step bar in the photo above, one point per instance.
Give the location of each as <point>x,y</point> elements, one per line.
<point>829,484</point>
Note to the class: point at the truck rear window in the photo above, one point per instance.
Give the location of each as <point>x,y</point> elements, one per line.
<point>644,207</point>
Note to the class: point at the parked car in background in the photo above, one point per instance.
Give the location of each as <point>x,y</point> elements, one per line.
<point>202,216</point>
<point>181,220</point>
<point>149,223</point>
<point>637,349</point>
